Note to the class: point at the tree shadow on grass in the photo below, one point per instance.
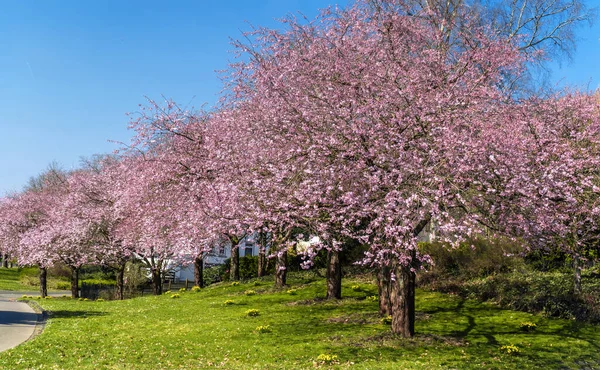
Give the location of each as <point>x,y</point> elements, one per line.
<point>67,314</point>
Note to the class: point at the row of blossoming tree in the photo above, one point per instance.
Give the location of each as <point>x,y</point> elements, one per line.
<point>369,124</point>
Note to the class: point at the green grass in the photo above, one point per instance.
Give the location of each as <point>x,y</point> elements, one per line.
<point>17,278</point>
<point>199,330</point>
<point>27,279</point>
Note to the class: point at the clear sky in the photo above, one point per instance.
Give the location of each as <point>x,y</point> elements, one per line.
<point>70,70</point>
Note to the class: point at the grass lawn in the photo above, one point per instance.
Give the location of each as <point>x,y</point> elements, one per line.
<point>14,278</point>
<point>200,330</point>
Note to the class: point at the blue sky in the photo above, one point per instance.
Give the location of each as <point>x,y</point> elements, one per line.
<point>71,70</point>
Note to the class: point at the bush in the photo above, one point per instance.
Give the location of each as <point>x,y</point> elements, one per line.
<point>510,349</point>
<point>196,289</point>
<point>528,326</point>
<point>326,359</point>
<point>474,258</point>
<point>550,293</point>
<point>250,292</point>
<point>252,312</point>
<point>387,320</point>
<point>134,277</point>
<point>263,329</point>
<point>63,285</point>
<point>214,274</point>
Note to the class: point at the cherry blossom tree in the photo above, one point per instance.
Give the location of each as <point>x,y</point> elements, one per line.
<point>382,120</point>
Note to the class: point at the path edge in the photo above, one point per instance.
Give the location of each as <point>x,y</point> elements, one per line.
<point>42,318</point>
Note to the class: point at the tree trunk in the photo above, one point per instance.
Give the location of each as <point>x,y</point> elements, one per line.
<point>5,261</point>
<point>577,268</point>
<point>383,286</point>
<point>74,282</point>
<point>199,271</point>
<point>402,296</point>
<point>156,282</point>
<point>281,269</point>
<point>334,275</point>
<point>43,282</point>
<point>234,270</point>
<point>121,282</point>
<point>262,262</point>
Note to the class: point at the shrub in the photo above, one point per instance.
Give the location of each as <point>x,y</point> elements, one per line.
<point>99,300</point>
<point>196,289</point>
<point>550,293</point>
<point>528,326</point>
<point>215,274</point>
<point>175,296</point>
<point>264,329</point>
<point>326,359</point>
<point>477,257</point>
<point>99,282</point>
<point>510,349</point>
<point>167,292</point>
<point>250,292</point>
<point>182,290</point>
<point>134,277</point>
<point>63,285</point>
<point>252,312</point>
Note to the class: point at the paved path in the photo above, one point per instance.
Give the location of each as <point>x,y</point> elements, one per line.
<point>17,320</point>
<point>17,323</point>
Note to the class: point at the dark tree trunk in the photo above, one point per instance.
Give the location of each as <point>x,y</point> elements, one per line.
<point>384,279</point>
<point>234,271</point>
<point>577,275</point>
<point>334,275</point>
<point>402,296</point>
<point>262,262</point>
<point>281,269</point>
<point>199,271</point>
<point>74,282</point>
<point>156,282</point>
<point>5,261</point>
<point>121,282</point>
<point>43,282</point>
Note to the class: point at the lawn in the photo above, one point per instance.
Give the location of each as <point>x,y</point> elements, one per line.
<point>201,330</point>
<point>18,278</point>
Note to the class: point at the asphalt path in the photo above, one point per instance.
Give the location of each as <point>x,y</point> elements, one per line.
<point>18,320</point>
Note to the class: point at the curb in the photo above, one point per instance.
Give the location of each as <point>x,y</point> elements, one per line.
<point>41,320</point>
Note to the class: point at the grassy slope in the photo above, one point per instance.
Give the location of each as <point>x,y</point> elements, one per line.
<point>199,331</point>
<point>11,278</point>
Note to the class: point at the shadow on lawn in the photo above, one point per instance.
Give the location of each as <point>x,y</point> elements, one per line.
<point>66,314</point>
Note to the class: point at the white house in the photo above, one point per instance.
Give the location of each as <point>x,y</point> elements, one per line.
<point>220,252</point>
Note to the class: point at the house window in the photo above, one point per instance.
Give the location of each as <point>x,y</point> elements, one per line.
<point>248,251</point>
